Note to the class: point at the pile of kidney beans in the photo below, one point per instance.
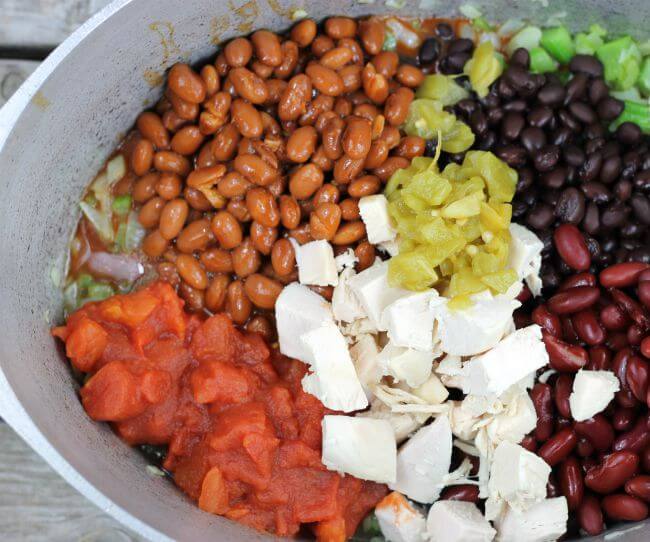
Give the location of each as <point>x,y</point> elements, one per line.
<point>595,322</point>
<point>554,130</point>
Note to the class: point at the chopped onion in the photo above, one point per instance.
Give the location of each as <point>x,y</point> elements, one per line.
<point>298,14</point>
<point>100,220</point>
<point>115,266</point>
<point>510,27</point>
<point>116,169</point>
<point>528,38</point>
<point>134,233</point>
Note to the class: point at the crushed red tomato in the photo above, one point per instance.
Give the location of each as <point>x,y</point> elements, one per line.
<point>243,439</point>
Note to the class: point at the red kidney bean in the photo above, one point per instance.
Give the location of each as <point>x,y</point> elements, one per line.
<point>584,447</point>
<point>564,357</point>
<point>644,347</point>
<point>574,300</point>
<point>558,447</point>
<point>597,430</point>
<point>639,487</point>
<point>572,247</point>
<point>633,309</point>
<point>547,320</point>
<point>644,276</point>
<point>588,328</point>
<point>590,515</point>
<point>619,365</point>
<point>562,423</point>
<point>634,440</point>
<point>600,358</point>
<point>464,492</point>
<point>579,279</point>
<point>571,482</point>
<point>622,275</point>
<point>568,331</point>
<point>613,318</point>
<point>624,507</point>
<point>589,463</point>
<point>612,472</point>
<point>541,395</point>
<point>634,335</point>
<point>552,487</point>
<point>529,442</point>
<point>636,376</point>
<point>625,398</point>
<point>623,418</point>
<point>616,341</point>
<point>563,388</point>
<point>643,292</point>
<point>645,459</point>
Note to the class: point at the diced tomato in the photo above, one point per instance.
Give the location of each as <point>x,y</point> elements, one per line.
<point>85,344</point>
<point>220,382</point>
<point>214,493</point>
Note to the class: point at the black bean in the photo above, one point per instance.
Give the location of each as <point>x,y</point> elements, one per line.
<point>621,255</point>
<point>519,209</point>
<point>478,123</point>
<point>631,230</point>
<point>466,107</point>
<point>561,136</point>
<point>546,158</point>
<point>504,90</point>
<point>540,116</point>
<point>540,217</point>
<point>444,31</point>
<point>598,90</point>
<point>614,215</point>
<point>583,112</point>
<point>429,51</point>
<point>519,79</point>
<point>591,220</point>
<point>573,155</point>
<point>593,246</point>
<point>521,57</point>
<point>513,155</point>
<point>555,178</point>
<point>512,125</point>
<point>596,192</point>
<point>641,207</point>
<point>611,148</point>
<point>533,138</point>
<point>567,120</point>
<point>611,169</point>
<point>642,180</point>
<point>570,206</point>
<point>530,196</point>
<point>454,63</point>
<point>546,237</point>
<point>609,243</point>
<point>586,64</point>
<point>461,45</point>
<point>491,100</point>
<point>487,141</point>
<point>641,254</point>
<point>628,133</point>
<point>494,115</point>
<point>623,190</point>
<point>609,108</point>
<point>576,88</point>
<point>551,94</point>
<point>550,277</point>
<point>525,180</point>
<point>591,168</point>
<point>595,131</point>
<point>551,197</point>
<point>645,164</point>
<point>515,105</point>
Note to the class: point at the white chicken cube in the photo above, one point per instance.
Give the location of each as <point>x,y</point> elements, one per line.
<point>345,306</point>
<point>316,265</point>
<point>403,424</point>
<point>423,462</point>
<point>478,328</point>
<point>362,447</point>
<point>457,521</point>
<point>525,246</point>
<point>515,422</point>
<point>432,391</point>
<point>297,311</point>
<point>374,213</point>
<point>542,522</point>
<point>592,392</point>
<point>406,364</point>
<point>512,359</point>
<point>346,260</point>
<point>409,320</point>
<point>373,292</point>
<point>333,381</point>
<point>398,520</point>
<point>517,477</point>
<point>365,356</point>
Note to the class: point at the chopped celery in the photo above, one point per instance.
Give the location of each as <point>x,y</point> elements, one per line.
<point>631,94</point>
<point>643,81</point>
<point>122,205</point>
<point>483,68</point>
<point>120,237</point>
<point>587,43</point>
<point>84,281</point>
<point>480,23</point>
<point>99,290</point>
<point>70,297</point>
<point>621,59</point>
<point>134,233</point>
<point>541,61</point>
<point>528,38</point>
<point>638,113</point>
<point>557,41</point>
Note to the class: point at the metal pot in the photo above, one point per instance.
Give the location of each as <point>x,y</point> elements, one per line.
<point>55,133</point>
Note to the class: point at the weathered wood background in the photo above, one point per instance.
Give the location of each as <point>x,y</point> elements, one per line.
<point>36,505</point>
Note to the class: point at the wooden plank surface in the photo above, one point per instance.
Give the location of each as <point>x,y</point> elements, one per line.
<point>37,505</point>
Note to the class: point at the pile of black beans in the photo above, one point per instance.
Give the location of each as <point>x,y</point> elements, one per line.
<point>444,52</point>
<point>554,130</point>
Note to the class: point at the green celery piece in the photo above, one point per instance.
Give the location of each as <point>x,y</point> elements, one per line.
<point>122,205</point>
<point>480,23</point>
<point>643,82</point>
<point>636,112</point>
<point>99,291</point>
<point>557,41</point>
<point>528,38</point>
<point>621,59</point>
<point>84,281</point>
<point>586,43</point>
<point>541,61</point>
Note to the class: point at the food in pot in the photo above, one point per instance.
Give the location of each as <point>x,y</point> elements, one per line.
<point>382,278</point>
